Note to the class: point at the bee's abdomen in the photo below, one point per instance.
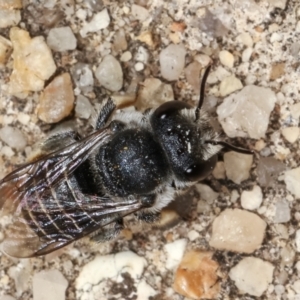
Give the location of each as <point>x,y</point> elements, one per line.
<point>132,163</point>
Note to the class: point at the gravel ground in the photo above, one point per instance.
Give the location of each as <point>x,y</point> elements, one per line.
<point>235,235</point>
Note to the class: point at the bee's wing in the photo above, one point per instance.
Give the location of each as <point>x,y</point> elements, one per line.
<point>27,202</point>
<point>24,237</point>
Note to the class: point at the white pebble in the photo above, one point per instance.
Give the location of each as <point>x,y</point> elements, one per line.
<point>229,85</point>
<point>282,212</point>
<point>206,192</point>
<point>139,66</point>
<point>252,199</point>
<point>226,58</point>
<point>142,55</point>
<point>9,17</point>
<point>126,56</point>
<point>245,39</point>
<point>245,114</point>
<point>49,285</point>
<point>13,137</point>
<point>193,235</point>
<point>23,118</point>
<point>296,286</point>
<point>292,179</point>
<point>99,21</point>
<point>109,266</point>
<point>237,230</point>
<point>252,275</point>
<point>83,108</point>
<point>203,59</point>
<point>237,166</point>
<point>139,12</point>
<point>172,60</point>
<point>291,134</point>
<point>145,291</point>
<point>110,74</point>
<point>247,54</point>
<point>174,253</point>
<point>61,39</point>
<point>297,240</point>
<point>7,151</point>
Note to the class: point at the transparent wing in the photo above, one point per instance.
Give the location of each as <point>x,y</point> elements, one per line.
<point>37,223</point>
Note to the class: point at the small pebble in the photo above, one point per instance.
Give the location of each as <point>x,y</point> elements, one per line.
<point>244,113</point>
<point>8,15</point>
<point>206,192</point>
<point>142,55</point>
<point>252,200</point>
<point>83,76</point>
<point>237,230</point>
<point>139,66</point>
<point>153,93</point>
<point>196,276</point>
<point>5,50</point>
<point>61,39</point>
<point>237,166</point>
<point>111,266</point>
<point>252,276</point>
<point>292,179</point>
<point>145,291</point>
<point>193,235</point>
<point>83,108</point>
<point>229,85</point>
<point>219,170</point>
<point>33,62</point>
<point>245,39</point>
<point>172,60</point>
<point>120,43</point>
<point>282,212</point>
<point>57,100</point>
<point>126,56</point>
<point>49,285</point>
<point>246,55</point>
<point>110,74</point>
<point>174,253</point>
<point>297,240</point>
<point>7,151</point>
<point>268,169</point>
<point>99,21</point>
<point>226,58</point>
<point>291,134</point>
<point>192,74</point>
<point>13,137</point>
<point>139,12</point>
<point>277,71</point>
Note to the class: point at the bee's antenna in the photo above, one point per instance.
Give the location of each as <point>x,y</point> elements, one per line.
<point>230,147</point>
<point>202,92</point>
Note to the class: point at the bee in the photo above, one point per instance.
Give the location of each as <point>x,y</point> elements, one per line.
<point>133,163</point>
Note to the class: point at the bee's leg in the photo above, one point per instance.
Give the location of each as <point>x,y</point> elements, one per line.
<point>105,113</point>
<point>146,215</point>
<point>108,232</point>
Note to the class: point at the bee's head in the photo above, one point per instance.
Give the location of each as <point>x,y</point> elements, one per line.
<point>190,143</point>
<point>183,140</point>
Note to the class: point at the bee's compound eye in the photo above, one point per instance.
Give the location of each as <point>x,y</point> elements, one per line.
<point>199,171</point>
<point>170,108</point>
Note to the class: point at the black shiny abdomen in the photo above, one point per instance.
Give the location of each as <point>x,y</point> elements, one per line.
<point>133,163</point>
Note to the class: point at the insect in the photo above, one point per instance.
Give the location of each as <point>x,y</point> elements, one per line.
<point>133,163</point>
